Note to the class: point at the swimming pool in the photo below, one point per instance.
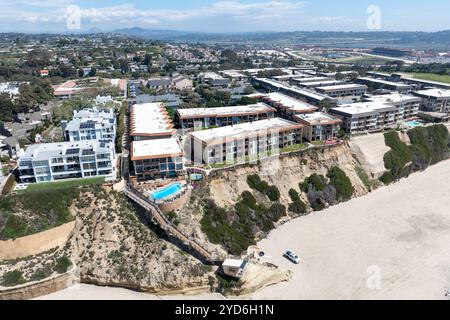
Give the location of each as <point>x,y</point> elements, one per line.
<point>167,192</point>
<point>414,123</point>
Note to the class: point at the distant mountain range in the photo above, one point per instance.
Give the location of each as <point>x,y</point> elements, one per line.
<point>439,39</point>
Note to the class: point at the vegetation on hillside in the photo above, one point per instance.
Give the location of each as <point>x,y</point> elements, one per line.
<point>429,145</point>
<point>236,228</point>
<point>35,211</point>
<point>254,181</point>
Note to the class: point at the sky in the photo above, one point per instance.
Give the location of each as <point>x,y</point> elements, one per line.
<point>225,15</point>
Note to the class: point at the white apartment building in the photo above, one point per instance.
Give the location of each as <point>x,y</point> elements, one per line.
<point>91,124</point>
<point>247,141</point>
<point>319,126</point>
<point>435,100</point>
<point>223,116</point>
<point>344,90</point>
<point>380,113</point>
<point>159,158</point>
<point>67,160</point>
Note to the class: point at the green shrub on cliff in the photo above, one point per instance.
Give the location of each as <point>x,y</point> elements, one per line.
<point>342,184</point>
<point>429,145</point>
<point>12,278</point>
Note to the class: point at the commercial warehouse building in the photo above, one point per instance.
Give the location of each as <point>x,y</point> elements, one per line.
<point>319,126</point>
<point>67,160</point>
<point>435,100</point>
<point>247,141</point>
<point>344,90</point>
<point>223,116</point>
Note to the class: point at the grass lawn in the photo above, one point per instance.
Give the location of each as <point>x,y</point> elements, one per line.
<point>430,76</point>
<point>64,184</point>
<point>294,147</point>
<point>365,60</point>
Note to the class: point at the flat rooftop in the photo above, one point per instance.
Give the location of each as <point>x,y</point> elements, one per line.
<point>363,108</point>
<point>225,111</point>
<point>288,102</point>
<point>298,91</point>
<point>323,83</point>
<point>394,98</point>
<point>311,79</point>
<point>45,151</point>
<point>244,129</point>
<point>385,82</point>
<point>150,119</point>
<point>343,87</point>
<point>155,149</point>
<point>318,118</point>
<point>434,93</point>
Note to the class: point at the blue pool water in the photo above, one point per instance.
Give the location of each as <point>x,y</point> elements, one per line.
<point>167,192</point>
<point>414,124</point>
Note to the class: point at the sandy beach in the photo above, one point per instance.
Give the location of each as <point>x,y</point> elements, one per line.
<point>396,239</point>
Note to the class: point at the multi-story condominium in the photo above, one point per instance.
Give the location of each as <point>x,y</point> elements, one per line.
<point>300,81</point>
<point>344,90</point>
<point>150,121</point>
<point>407,105</point>
<point>91,124</point>
<point>384,84</point>
<point>224,116</point>
<point>319,126</point>
<point>302,94</point>
<point>155,150</point>
<point>286,106</point>
<point>159,158</point>
<point>435,100</point>
<point>243,142</point>
<point>67,160</point>
<point>324,83</point>
<point>380,113</point>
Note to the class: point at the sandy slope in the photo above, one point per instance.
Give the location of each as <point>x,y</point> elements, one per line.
<point>402,229</point>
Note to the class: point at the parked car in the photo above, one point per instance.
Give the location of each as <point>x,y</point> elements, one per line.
<point>292,256</point>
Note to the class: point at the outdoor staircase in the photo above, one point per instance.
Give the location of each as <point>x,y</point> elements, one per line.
<point>159,218</point>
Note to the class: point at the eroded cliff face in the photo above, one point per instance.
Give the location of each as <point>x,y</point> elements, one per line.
<point>286,173</point>
<point>114,246</point>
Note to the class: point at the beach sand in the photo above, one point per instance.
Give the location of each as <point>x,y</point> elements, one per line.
<point>396,239</point>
